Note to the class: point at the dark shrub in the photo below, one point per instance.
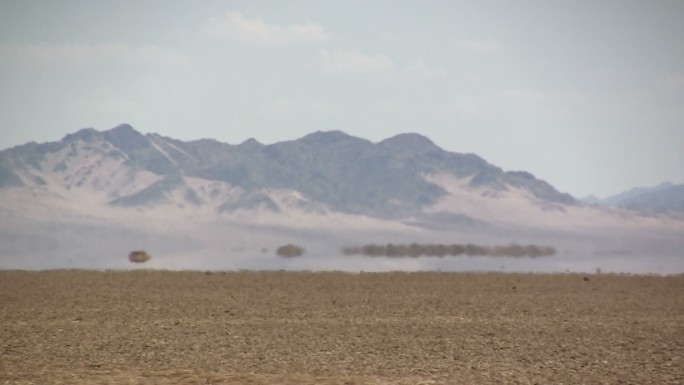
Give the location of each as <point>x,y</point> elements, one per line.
<point>290,250</point>
<point>139,256</point>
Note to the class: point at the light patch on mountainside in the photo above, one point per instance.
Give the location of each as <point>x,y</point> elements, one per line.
<point>515,206</point>
<point>96,169</point>
<point>296,211</point>
<point>153,141</point>
<point>213,193</point>
<point>507,206</point>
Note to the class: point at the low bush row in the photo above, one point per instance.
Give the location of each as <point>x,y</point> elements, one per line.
<point>439,250</point>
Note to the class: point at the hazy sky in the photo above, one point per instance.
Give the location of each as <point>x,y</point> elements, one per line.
<point>588,95</point>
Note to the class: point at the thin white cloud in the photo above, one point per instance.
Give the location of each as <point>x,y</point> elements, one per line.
<point>350,61</point>
<point>421,69</point>
<point>107,105</point>
<point>355,62</point>
<point>464,104</point>
<point>526,95</point>
<point>537,97</point>
<point>608,72</point>
<point>236,26</point>
<point>299,106</point>
<point>461,104</point>
<point>482,46</point>
<point>387,38</point>
<point>79,54</point>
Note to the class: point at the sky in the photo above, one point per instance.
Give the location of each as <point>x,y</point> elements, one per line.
<point>587,95</point>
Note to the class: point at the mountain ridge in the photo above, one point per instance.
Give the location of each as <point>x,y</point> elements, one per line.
<point>342,172</point>
<point>664,197</point>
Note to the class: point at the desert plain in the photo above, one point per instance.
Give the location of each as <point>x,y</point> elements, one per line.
<point>277,327</point>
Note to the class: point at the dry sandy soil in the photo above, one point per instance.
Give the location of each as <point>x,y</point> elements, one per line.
<point>156,327</point>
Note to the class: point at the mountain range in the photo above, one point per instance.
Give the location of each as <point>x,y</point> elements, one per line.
<point>126,190</point>
<point>665,197</point>
<point>333,169</point>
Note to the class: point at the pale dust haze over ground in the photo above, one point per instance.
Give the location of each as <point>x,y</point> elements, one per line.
<point>161,327</point>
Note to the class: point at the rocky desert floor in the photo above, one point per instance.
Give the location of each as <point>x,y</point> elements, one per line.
<point>162,327</point>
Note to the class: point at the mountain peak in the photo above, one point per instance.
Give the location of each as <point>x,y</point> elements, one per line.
<point>126,137</point>
<point>326,137</point>
<point>250,144</point>
<point>409,141</point>
<point>123,128</point>
<point>85,134</point>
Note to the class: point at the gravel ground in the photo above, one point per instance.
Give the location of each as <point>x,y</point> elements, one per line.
<point>160,327</point>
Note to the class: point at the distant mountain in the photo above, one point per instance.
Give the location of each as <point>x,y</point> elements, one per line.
<point>661,198</point>
<point>89,199</point>
<point>323,170</point>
